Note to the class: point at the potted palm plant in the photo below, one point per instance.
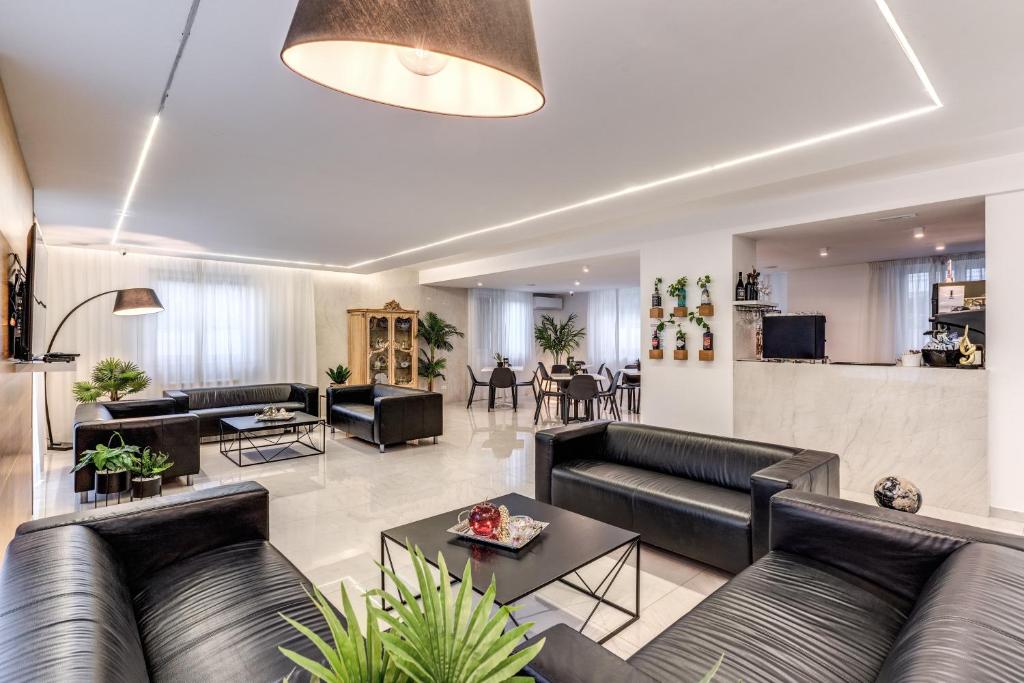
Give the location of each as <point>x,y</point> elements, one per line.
<point>147,468</point>
<point>558,338</point>
<point>678,290</point>
<point>437,333</point>
<point>111,462</point>
<point>113,378</point>
<point>339,375</point>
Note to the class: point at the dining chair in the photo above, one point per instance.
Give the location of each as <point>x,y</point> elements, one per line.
<point>532,383</point>
<point>559,369</point>
<point>582,388</point>
<point>631,387</point>
<point>546,382</point>
<point>548,389</point>
<point>473,384</point>
<point>607,396</point>
<point>601,368</point>
<point>502,378</point>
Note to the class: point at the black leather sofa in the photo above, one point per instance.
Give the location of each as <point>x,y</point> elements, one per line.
<point>705,497</point>
<point>848,592</point>
<point>385,414</point>
<point>213,403</point>
<point>144,422</point>
<point>180,588</point>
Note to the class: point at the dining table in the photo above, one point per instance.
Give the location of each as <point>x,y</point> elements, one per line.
<point>562,379</point>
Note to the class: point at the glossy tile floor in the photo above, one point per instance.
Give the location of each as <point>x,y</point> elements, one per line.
<point>327,511</point>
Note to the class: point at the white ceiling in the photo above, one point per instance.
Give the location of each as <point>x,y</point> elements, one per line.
<point>251,159</point>
<point>958,224</point>
<point>605,272</point>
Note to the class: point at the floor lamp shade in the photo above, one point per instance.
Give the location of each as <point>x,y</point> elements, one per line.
<point>461,57</point>
<point>137,301</point>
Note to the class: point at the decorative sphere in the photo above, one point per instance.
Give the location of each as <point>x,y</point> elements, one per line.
<point>897,493</point>
<point>484,519</point>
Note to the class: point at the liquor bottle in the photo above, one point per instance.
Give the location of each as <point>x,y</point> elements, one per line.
<point>741,291</point>
<point>751,291</point>
<point>709,341</point>
<point>655,341</point>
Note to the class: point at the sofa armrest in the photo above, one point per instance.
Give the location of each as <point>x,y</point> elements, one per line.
<point>811,471</point>
<point>308,395</point>
<point>156,532</point>
<point>150,407</point>
<point>559,444</point>
<point>415,415</point>
<point>180,399</point>
<point>570,657</point>
<point>894,549</point>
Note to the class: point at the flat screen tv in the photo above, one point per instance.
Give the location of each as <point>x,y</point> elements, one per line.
<point>31,337</point>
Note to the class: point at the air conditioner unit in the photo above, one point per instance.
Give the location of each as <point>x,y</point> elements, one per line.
<point>547,303</point>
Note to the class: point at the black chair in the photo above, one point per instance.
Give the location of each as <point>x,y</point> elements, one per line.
<point>532,383</point>
<point>607,396</point>
<point>548,389</point>
<point>631,387</point>
<point>502,378</point>
<point>473,384</point>
<point>559,369</point>
<point>582,388</point>
<point>385,414</point>
<point>601,368</point>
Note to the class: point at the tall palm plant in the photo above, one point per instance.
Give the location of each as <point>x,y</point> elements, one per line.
<point>558,338</point>
<point>438,335</point>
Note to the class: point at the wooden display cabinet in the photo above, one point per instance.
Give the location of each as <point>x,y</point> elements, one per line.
<point>382,345</point>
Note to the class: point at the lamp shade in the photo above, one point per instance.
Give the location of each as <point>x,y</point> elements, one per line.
<point>137,301</point>
<point>462,57</point>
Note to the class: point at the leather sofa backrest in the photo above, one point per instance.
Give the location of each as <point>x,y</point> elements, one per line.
<point>224,397</point>
<point>968,623</point>
<point>718,460</point>
<point>386,390</point>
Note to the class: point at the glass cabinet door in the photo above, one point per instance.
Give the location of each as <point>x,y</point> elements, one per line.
<point>404,348</point>
<point>379,349</point>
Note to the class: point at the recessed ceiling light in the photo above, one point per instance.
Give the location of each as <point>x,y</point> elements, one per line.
<point>940,247</point>
<point>479,284</point>
<point>897,217</point>
<point>919,233</point>
<point>823,251</point>
<point>577,283</point>
<point>586,269</point>
<point>571,292</point>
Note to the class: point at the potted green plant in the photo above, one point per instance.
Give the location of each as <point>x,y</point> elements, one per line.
<point>146,469</point>
<point>113,378</point>
<point>437,333</point>
<point>499,360</point>
<point>707,351</point>
<point>678,290</point>
<point>111,462</point>
<point>339,375</point>
<point>656,350</point>
<point>558,338</point>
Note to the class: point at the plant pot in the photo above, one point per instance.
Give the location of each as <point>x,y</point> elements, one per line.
<point>680,354</point>
<point>657,312</point>
<point>111,481</point>
<point>706,310</point>
<point>147,487</point>
<point>706,355</point>
<point>680,311</point>
<point>335,385</point>
<point>655,353</point>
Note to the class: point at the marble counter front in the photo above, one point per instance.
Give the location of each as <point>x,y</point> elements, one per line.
<point>926,424</point>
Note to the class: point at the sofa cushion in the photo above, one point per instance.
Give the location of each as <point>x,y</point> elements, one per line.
<point>783,618</point>
<point>357,412</point>
<point>66,611</point>
<point>968,623</point>
<point>219,397</point>
<point>717,460</point>
<point>214,616</point>
<point>244,410</point>
<point>708,523</point>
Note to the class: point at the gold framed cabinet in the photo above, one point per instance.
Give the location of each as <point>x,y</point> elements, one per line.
<point>382,345</point>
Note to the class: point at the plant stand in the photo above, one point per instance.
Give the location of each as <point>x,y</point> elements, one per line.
<point>680,354</point>
<point>680,311</point>
<point>148,487</point>
<point>706,355</point>
<point>706,310</point>
<point>656,354</point>
<point>657,312</point>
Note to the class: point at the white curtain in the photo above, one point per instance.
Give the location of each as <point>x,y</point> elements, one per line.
<point>500,321</point>
<point>222,324</point>
<point>900,299</point>
<point>613,327</point>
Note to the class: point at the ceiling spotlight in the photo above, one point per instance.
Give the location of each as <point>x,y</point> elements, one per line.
<point>577,283</point>
<point>479,284</point>
<point>823,251</point>
<point>919,233</point>
<point>586,269</point>
<point>571,293</point>
<point>940,247</point>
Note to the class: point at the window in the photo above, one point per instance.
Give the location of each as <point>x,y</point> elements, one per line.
<point>500,321</point>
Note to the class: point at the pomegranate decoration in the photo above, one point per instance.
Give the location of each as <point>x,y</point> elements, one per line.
<point>485,520</point>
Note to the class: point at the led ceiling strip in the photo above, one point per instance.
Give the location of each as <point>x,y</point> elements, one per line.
<point>883,7</point>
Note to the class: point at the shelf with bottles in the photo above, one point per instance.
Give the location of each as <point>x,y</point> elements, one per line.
<point>706,308</point>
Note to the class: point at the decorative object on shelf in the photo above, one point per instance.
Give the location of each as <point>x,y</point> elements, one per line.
<point>680,352</point>
<point>970,353</point>
<point>112,463</point>
<point>911,359</point>
<point>706,308</point>
<point>476,641</point>
<point>741,290</point>
<point>272,414</point>
<point>678,290</point>
<point>113,378</point>
<point>146,469</point>
<point>656,310</point>
<point>339,375</point>
<point>751,291</point>
<point>382,345</point>
<point>897,493</point>
<point>707,351</point>
<point>656,350</point>
<point>499,361</point>
<point>558,338</point>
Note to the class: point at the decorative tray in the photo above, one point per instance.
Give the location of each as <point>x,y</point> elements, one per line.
<point>276,418</point>
<point>519,540</point>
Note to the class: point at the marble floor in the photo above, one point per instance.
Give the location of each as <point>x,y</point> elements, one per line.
<point>326,514</point>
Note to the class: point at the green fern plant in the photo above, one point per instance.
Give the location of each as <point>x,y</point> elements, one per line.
<point>111,377</point>
<point>339,375</point>
<point>149,464</point>
<point>558,338</point>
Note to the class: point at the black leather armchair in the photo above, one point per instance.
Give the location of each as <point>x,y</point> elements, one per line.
<point>697,495</point>
<point>385,414</point>
<point>848,592</point>
<point>146,422</point>
<point>213,403</point>
<point>183,587</point>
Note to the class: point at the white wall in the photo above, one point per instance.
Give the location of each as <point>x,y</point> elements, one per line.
<point>841,293</point>
<point>1004,246</point>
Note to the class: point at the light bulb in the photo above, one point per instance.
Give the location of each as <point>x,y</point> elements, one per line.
<point>421,62</point>
<point>823,251</point>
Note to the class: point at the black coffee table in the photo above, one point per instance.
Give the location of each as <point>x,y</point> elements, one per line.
<point>569,543</point>
<point>298,438</point>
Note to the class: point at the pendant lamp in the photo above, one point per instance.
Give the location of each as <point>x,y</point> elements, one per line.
<point>461,57</point>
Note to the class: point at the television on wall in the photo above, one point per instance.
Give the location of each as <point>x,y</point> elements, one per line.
<point>26,303</point>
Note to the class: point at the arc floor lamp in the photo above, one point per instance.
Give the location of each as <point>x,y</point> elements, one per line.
<point>133,301</point>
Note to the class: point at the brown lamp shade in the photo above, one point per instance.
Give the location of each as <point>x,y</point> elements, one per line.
<point>137,301</point>
<point>462,57</point>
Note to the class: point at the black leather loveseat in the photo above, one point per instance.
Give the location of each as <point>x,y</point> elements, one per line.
<point>702,496</point>
<point>180,588</point>
<point>213,403</point>
<point>848,592</point>
<point>385,414</point>
<point>144,422</point>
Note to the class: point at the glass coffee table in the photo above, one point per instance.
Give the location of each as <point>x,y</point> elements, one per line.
<point>569,543</point>
<point>247,434</point>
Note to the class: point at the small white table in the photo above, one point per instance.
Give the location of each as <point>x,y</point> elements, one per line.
<point>513,368</point>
